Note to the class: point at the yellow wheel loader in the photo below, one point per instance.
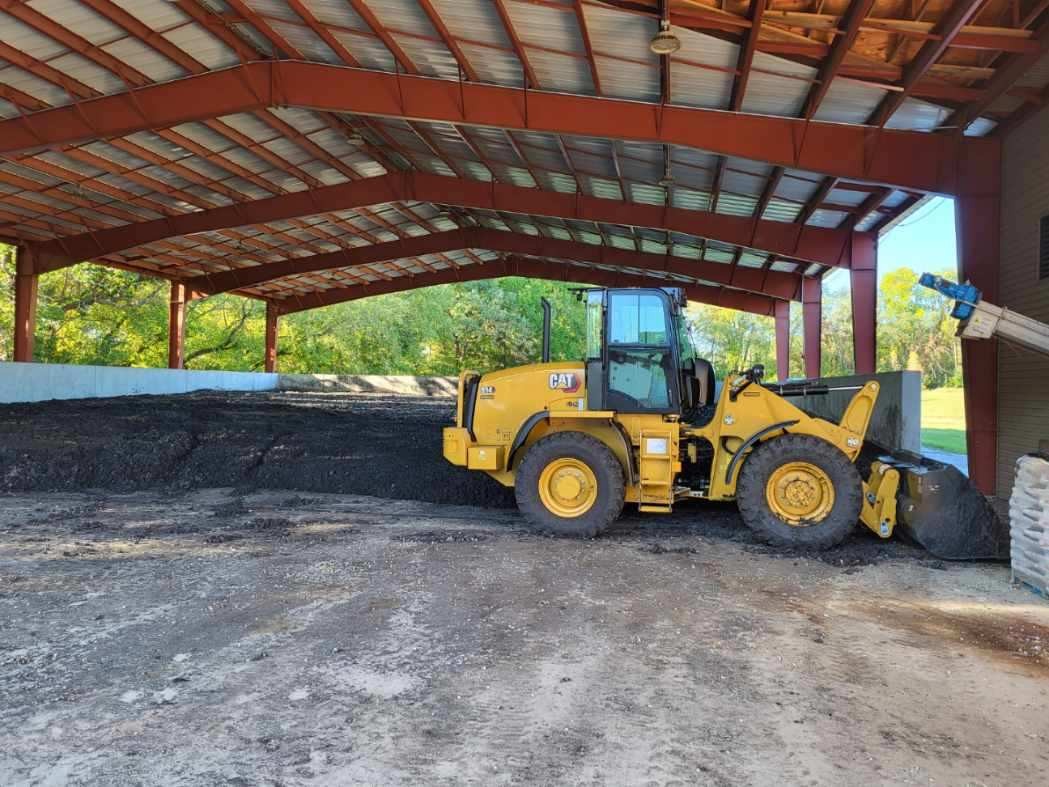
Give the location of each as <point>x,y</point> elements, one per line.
<point>639,421</point>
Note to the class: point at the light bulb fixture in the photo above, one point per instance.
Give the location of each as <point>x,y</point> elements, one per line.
<point>664,42</point>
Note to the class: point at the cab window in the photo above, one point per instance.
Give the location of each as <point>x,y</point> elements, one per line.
<point>637,318</point>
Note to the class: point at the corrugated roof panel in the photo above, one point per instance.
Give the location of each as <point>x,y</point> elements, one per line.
<point>695,86</point>
<point>622,79</point>
<point>369,51</point>
<point>77,16</point>
<point>797,186</point>
<point>25,39</point>
<point>562,73</point>
<point>784,266</point>
<point>144,59</point>
<point>689,199</point>
<point>494,66</point>
<point>429,57</point>
<point>83,70</point>
<point>751,260</point>
<point>641,171</point>
<point>773,94</point>
<point>644,194</point>
<point>474,20</point>
<point>736,182</point>
<point>917,115</point>
<point>737,204</point>
<point>308,43</point>
<point>200,44</point>
<point>7,109</point>
<point>337,13</point>
<point>827,218</point>
<point>38,88</point>
<point>546,26</point>
<point>779,210</point>
<point>848,101</point>
<point>614,33</point>
<point>846,197</point>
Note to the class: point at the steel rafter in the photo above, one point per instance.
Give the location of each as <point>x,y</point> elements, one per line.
<point>946,29</point>
<point>816,244</point>
<point>746,53</point>
<point>530,268</point>
<point>913,160</point>
<point>850,29</point>
<point>776,284</point>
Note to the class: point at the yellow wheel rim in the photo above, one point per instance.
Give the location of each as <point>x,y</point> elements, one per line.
<point>800,494</point>
<point>568,487</point>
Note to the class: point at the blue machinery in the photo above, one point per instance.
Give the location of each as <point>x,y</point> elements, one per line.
<point>983,320</point>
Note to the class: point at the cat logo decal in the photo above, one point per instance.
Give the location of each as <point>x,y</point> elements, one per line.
<point>564,381</point>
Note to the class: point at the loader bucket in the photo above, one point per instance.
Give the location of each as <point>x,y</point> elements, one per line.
<point>940,510</point>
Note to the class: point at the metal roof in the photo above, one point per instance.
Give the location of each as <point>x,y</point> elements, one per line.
<point>852,61</point>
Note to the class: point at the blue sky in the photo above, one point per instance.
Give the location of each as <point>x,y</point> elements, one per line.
<point>923,242</point>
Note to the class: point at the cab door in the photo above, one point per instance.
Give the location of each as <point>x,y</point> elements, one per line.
<point>640,364</point>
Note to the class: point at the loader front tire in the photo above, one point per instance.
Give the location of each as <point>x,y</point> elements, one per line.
<point>570,484</point>
<point>799,491</point>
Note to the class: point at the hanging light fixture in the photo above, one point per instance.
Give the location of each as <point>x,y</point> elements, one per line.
<point>664,42</point>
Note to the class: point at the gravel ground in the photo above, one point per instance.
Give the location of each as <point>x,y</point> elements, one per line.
<point>299,625</point>
<point>279,637</point>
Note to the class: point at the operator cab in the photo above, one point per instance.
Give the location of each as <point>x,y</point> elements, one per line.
<point>640,357</point>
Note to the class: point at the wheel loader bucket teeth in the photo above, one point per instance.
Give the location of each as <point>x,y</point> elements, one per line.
<point>940,510</point>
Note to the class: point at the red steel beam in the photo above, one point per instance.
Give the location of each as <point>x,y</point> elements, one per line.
<point>913,160</point>
<point>782,340</point>
<point>864,275</point>
<point>26,280</point>
<point>812,318</point>
<point>777,284</point>
<point>272,317</point>
<point>978,227</point>
<point>177,326</point>
<point>530,268</point>
<point>815,244</point>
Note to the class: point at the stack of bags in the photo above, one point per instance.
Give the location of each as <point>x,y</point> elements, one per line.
<point>1029,523</point>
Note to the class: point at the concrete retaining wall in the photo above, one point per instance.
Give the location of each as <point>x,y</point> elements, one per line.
<point>38,382</point>
<point>896,423</point>
<point>370,383</point>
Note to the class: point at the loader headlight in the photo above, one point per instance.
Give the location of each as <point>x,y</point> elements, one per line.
<point>656,446</point>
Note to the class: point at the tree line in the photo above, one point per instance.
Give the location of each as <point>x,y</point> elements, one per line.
<point>88,314</point>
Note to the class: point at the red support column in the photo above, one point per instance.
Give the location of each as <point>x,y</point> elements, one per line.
<point>177,326</point>
<point>272,316</point>
<point>782,340</point>
<point>977,221</point>
<point>864,276</point>
<point>812,317</point>
<point>26,280</point>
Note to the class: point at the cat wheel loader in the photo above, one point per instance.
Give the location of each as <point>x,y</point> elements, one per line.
<point>640,420</point>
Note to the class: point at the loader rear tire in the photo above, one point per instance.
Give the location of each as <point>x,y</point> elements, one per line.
<point>799,491</point>
<point>570,484</point>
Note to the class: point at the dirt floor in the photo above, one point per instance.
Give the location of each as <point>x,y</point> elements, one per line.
<point>269,633</point>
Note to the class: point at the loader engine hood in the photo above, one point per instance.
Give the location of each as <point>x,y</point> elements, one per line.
<point>493,404</point>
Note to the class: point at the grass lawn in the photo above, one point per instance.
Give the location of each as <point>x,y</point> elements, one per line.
<point>943,420</point>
